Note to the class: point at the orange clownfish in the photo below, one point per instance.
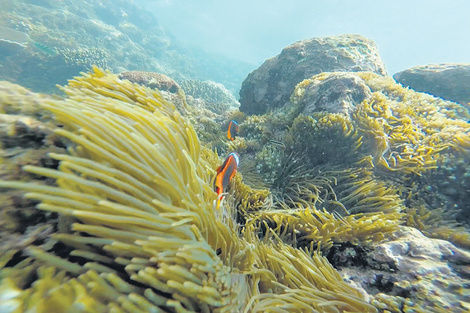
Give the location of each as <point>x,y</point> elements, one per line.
<point>232,131</point>
<point>225,173</point>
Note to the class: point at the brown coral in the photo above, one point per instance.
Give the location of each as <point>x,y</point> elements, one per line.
<point>152,80</point>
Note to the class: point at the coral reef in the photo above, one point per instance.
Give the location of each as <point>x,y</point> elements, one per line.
<point>217,98</point>
<point>127,220</point>
<point>44,43</point>
<point>427,138</point>
<point>410,125</point>
<point>138,231</point>
<point>406,131</point>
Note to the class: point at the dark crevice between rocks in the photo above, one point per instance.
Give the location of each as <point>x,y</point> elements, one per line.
<point>375,277</point>
<point>383,284</point>
<point>348,255</point>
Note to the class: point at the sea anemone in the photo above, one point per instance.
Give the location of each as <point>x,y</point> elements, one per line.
<point>137,230</point>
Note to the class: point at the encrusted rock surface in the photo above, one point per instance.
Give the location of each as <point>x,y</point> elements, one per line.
<point>152,80</point>
<point>410,265</point>
<point>271,85</point>
<point>449,81</point>
<point>336,93</point>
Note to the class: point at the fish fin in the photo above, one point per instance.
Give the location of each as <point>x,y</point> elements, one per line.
<point>219,200</point>
<point>232,174</point>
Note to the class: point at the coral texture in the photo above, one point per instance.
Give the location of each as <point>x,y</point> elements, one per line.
<point>217,98</point>
<point>46,42</point>
<point>330,93</point>
<point>152,80</point>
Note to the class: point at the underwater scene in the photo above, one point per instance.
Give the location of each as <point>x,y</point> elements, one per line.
<point>273,156</point>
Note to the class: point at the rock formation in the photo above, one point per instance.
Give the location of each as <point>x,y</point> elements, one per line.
<point>271,85</point>
<point>449,81</point>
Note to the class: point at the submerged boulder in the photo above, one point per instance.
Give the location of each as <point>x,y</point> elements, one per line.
<point>271,85</point>
<point>449,81</point>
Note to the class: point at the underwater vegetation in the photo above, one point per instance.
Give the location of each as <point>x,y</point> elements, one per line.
<point>137,231</point>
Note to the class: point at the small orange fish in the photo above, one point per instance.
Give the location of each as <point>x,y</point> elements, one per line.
<point>225,173</point>
<point>232,131</point>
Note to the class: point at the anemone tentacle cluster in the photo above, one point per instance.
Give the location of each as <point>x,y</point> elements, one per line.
<point>137,231</point>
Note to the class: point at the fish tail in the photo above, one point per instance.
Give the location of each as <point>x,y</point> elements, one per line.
<point>219,200</point>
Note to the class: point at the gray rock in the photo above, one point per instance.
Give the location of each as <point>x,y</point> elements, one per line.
<point>271,85</point>
<point>426,271</point>
<point>331,92</point>
<point>449,81</point>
